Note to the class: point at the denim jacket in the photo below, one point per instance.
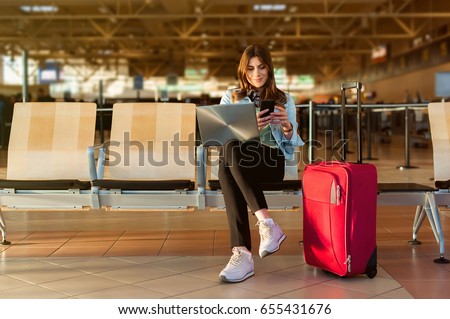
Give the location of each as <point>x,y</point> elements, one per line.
<point>286,146</point>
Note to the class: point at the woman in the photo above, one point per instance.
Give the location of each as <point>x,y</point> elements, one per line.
<point>245,165</point>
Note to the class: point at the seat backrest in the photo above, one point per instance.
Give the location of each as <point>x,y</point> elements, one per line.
<point>49,140</point>
<point>439,117</point>
<point>152,141</point>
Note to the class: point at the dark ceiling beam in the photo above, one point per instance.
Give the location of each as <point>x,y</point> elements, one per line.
<point>202,54</point>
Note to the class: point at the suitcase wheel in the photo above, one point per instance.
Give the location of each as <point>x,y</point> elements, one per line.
<point>372,273</point>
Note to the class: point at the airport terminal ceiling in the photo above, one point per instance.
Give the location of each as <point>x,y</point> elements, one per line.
<point>325,38</point>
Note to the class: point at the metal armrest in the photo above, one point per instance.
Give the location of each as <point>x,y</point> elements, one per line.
<point>96,169</point>
<point>201,168</point>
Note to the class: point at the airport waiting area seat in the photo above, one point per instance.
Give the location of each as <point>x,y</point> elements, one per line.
<point>439,117</point>
<point>47,166</point>
<point>149,162</point>
<point>428,199</point>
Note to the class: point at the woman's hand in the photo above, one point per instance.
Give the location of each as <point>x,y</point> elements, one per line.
<point>264,118</point>
<point>281,117</point>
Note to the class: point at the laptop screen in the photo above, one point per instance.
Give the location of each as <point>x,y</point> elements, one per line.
<point>220,123</point>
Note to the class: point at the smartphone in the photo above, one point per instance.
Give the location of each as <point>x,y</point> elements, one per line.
<point>267,104</point>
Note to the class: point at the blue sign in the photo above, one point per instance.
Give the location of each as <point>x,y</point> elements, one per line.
<point>138,83</point>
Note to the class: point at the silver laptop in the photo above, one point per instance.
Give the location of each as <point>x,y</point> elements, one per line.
<point>220,123</point>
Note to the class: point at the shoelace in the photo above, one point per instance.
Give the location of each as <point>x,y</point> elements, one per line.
<point>236,258</point>
<point>264,229</point>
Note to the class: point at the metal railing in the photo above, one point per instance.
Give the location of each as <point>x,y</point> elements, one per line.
<point>406,107</point>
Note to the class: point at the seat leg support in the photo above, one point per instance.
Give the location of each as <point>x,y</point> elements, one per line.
<point>433,215</point>
<point>418,220</point>
<point>3,229</point>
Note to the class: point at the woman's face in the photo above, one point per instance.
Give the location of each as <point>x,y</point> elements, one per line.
<point>257,73</point>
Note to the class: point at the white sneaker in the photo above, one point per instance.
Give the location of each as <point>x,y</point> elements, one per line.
<point>239,268</point>
<point>271,237</point>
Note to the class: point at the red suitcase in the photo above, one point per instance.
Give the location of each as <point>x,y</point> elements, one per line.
<point>339,210</point>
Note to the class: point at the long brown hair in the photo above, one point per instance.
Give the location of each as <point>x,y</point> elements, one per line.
<point>269,91</point>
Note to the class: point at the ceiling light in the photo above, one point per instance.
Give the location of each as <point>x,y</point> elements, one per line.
<point>104,10</point>
<point>269,7</point>
<point>39,9</point>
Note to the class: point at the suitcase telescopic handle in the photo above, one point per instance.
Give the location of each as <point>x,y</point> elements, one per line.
<point>358,86</point>
<point>351,85</point>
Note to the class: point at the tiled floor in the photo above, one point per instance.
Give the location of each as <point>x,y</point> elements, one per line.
<point>100,254</point>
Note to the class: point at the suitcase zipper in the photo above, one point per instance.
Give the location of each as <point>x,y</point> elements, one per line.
<point>348,262</point>
<point>338,195</point>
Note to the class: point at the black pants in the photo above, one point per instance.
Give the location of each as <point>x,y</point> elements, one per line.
<point>242,169</point>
